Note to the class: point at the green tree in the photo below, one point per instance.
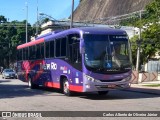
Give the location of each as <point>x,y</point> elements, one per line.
<point>151,33</point>
<point>150,38</point>
<point>12,34</point>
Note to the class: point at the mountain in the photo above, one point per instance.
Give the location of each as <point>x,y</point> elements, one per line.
<point>89,10</point>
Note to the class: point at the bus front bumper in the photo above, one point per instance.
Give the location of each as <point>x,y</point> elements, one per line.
<point>106,86</point>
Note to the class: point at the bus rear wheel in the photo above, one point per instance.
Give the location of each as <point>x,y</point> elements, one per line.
<point>103,92</point>
<point>66,90</point>
<point>31,84</point>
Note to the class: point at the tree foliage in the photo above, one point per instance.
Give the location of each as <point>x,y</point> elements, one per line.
<point>11,34</point>
<point>150,37</point>
<point>151,33</point>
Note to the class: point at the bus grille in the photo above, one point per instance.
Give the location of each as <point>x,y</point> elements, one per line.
<point>111,80</point>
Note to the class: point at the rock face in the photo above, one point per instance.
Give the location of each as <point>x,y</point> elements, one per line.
<point>89,10</point>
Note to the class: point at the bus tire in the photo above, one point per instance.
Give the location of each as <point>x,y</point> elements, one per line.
<point>103,92</point>
<point>66,90</point>
<point>31,84</point>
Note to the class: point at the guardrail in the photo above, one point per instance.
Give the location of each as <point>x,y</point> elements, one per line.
<point>144,77</point>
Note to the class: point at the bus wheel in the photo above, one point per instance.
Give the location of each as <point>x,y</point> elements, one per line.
<point>103,92</point>
<point>66,90</point>
<point>31,84</point>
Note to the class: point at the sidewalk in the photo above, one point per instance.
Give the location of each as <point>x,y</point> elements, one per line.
<point>141,87</point>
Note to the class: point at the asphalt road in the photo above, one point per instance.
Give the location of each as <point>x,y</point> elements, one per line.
<point>16,96</point>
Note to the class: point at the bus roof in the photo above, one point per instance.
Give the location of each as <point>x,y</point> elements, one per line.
<point>101,30</point>
<point>87,30</point>
<point>30,43</point>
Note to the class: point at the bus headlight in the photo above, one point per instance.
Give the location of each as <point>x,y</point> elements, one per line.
<point>89,78</point>
<point>88,86</point>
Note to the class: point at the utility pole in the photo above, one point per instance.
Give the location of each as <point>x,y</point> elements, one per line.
<point>138,45</point>
<point>37,25</point>
<point>71,25</point>
<point>26,21</point>
<point>9,54</point>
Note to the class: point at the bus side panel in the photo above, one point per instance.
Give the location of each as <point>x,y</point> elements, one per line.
<point>36,72</point>
<point>32,69</point>
<point>59,68</point>
<point>76,84</point>
<point>50,68</point>
<point>23,67</point>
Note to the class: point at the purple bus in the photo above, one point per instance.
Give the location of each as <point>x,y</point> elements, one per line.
<point>87,59</point>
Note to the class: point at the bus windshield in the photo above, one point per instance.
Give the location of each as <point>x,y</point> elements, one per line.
<point>107,53</point>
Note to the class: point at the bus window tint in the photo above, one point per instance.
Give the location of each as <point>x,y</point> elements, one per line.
<point>27,53</point>
<point>51,49</point>
<point>32,51</point>
<point>24,53</point>
<point>63,46</point>
<point>42,50</point>
<point>73,47</point>
<point>47,49</point>
<point>58,47</point>
<point>20,54</point>
<point>38,54</point>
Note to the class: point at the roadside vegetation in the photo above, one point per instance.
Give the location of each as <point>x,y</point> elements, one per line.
<point>12,34</point>
<point>150,38</point>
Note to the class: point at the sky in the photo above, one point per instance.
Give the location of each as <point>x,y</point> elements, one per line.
<point>17,9</point>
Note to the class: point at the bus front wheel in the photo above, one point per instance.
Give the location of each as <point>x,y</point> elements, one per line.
<point>66,90</point>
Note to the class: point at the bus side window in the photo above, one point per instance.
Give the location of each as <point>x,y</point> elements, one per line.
<point>38,54</point>
<point>47,49</point>
<point>42,50</point>
<point>19,56</point>
<point>76,53</point>
<point>51,50</point>
<point>39,51</point>
<point>63,46</point>
<point>32,51</point>
<point>25,53</point>
<point>70,52</point>
<point>58,47</point>
<point>73,48</point>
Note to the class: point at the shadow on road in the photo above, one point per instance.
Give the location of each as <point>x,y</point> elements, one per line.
<point>16,88</point>
<point>119,94</point>
<point>112,95</point>
<point>2,81</point>
<point>11,89</point>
